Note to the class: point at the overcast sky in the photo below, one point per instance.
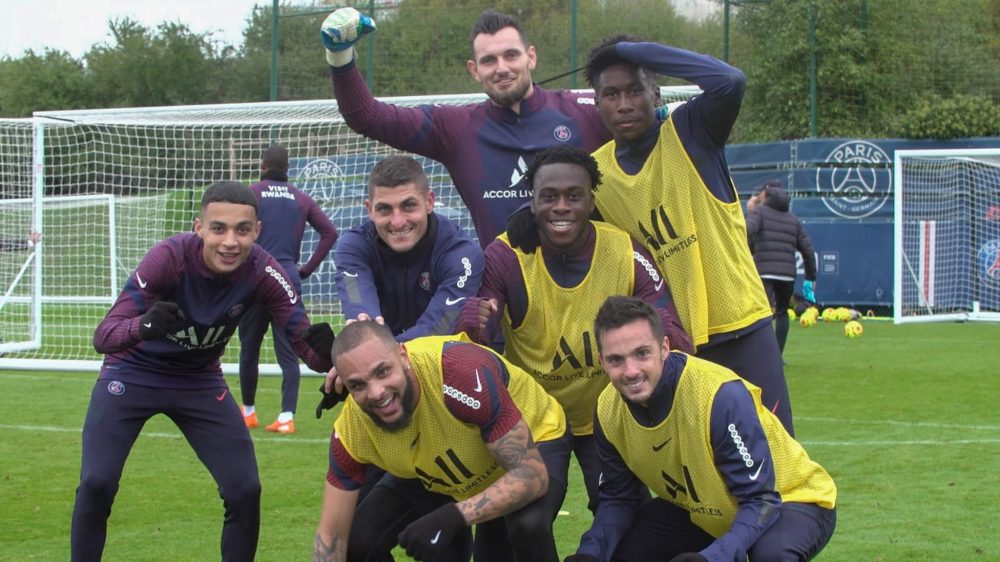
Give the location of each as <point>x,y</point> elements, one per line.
<point>76,25</point>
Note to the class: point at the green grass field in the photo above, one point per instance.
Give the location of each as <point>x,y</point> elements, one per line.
<point>905,419</point>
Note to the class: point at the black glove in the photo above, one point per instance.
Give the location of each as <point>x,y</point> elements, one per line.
<point>428,537</point>
<point>522,230</point>
<point>161,319</point>
<point>689,557</point>
<point>320,338</point>
<point>581,558</point>
<point>330,399</point>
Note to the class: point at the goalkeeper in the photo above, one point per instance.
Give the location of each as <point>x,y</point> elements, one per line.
<point>162,340</point>
<point>486,146</point>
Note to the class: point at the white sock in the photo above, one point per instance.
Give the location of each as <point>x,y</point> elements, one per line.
<point>285,417</point>
<point>247,410</point>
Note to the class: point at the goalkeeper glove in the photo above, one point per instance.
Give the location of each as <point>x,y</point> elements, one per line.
<point>161,319</point>
<point>329,400</point>
<point>522,230</point>
<point>428,537</point>
<point>809,290</point>
<point>340,31</point>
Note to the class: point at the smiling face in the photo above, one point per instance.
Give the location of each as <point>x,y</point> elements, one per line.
<point>400,214</point>
<point>228,231</point>
<point>379,377</point>
<point>626,100</point>
<point>503,64</point>
<point>562,201</point>
<point>633,358</point>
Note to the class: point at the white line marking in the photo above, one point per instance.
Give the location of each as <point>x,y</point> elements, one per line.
<point>161,435</point>
<point>901,423</point>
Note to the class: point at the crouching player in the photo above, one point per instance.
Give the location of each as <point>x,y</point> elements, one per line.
<point>162,341</point>
<point>729,479</point>
<point>465,438</point>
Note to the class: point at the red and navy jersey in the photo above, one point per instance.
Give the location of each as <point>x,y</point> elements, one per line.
<point>486,148</point>
<point>466,370</point>
<point>284,210</point>
<point>418,293</point>
<point>174,270</point>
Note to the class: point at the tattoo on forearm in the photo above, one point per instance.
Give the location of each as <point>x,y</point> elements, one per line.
<point>522,483</point>
<point>332,552</point>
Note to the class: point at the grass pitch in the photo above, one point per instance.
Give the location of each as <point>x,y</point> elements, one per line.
<point>904,418</point>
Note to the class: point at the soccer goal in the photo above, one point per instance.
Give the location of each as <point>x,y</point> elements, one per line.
<point>114,182</point>
<point>947,235</point>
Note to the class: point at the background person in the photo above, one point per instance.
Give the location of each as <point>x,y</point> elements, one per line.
<point>486,146</point>
<point>729,480</point>
<point>775,234</point>
<point>466,439</point>
<point>284,211</point>
<point>162,340</point>
<point>667,184</point>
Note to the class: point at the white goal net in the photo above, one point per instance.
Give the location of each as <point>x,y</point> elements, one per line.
<point>947,235</point>
<point>103,186</point>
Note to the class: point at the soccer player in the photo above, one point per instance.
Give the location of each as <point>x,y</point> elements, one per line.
<point>775,234</point>
<point>284,211</point>
<point>729,480</point>
<point>7,244</point>
<point>486,146</point>
<point>466,439</point>
<point>406,265</point>
<point>569,264</point>
<point>162,340</point>
<point>667,184</point>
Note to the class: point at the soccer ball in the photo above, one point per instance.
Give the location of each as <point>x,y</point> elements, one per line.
<point>791,314</point>
<point>853,329</point>
<point>807,320</point>
<point>829,314</point>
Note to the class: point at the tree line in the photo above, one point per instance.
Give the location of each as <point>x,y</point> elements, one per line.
<point>851,68</point>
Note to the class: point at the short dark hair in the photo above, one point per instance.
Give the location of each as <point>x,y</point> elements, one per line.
<point>356,333</point>
<point>275,157</point>
<point>229,192</point>
<point>564,155</point>
<point>618,311</point>
<point>490,22</point>
<point>396,170</point>
<point>604,55</point>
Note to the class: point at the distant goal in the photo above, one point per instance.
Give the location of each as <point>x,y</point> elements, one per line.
<point>947,235</point>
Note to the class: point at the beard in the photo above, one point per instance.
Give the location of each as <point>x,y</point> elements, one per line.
<point>510,97</point>
<point>408,399</point>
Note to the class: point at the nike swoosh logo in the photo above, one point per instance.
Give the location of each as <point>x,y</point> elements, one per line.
<point>450,301</point>
<point>659,285</point>
<point>148,324</point>
<point>656,448</point>
<point>349,274</point>
<point>141,282</point>
<point>479,385</point>
<point>221,396</point>
<point>756,473</point>
<point>436,537</point>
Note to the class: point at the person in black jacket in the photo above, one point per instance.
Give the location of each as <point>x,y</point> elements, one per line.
<point>774,234</point>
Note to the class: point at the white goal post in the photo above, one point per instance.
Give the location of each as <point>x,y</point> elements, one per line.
<point>113,182</point>
<point>947,235</point>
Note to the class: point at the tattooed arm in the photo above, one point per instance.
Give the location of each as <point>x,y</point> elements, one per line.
<point>525,481</point>
<point>330,544</point>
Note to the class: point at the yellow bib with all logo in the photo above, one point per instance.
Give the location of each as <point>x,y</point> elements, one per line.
<point>555,343</point>
<point>675,460</point>
<point>699,242</point>
<point>447,455</point>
